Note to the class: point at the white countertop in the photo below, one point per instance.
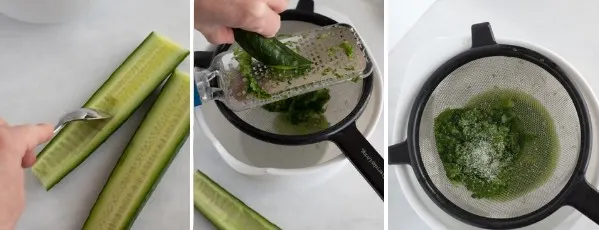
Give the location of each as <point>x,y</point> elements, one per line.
<point>401,16</point>
<point>48,70</point>
<point>565,28</point>
<point>342,202</point>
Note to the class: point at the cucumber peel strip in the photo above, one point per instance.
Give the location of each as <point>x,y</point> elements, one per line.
<point>224,210</point>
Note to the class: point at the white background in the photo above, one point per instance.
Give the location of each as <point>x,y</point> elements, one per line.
<point>401,17</point>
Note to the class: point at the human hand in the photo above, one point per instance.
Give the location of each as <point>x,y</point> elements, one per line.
<point>17,145</point>
<point>216,18</point>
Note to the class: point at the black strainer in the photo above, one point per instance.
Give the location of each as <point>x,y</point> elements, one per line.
<point>490,66</point>
<point>348,101</point>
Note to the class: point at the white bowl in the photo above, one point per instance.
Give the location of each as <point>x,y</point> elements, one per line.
<point>250,156</point>
<point>421,65</point>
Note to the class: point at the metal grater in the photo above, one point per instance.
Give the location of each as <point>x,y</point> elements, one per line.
<point>323,46</point>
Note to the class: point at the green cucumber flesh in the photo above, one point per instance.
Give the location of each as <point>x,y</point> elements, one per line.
<point>128,86</point>
<point>270,51</point>
<point>223,209</point>
<point>152,148</point>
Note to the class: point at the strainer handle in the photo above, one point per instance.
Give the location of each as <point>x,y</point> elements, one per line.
<point>305,5</point>
<point>585,198</point>
<point>482,35</point>
<point>399,154</point>
<point>362,155</point>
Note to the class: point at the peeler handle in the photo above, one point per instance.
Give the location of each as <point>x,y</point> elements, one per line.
<point>363,156</point>
<point>585,198</point>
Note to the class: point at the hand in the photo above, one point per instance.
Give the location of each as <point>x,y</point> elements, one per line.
<point>215,18</point>
<point>17,145</point>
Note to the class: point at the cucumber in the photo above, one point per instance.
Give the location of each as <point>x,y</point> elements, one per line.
<point>224,210</point>
<point>142,72</point>
<point>150,151</point>
<point>270,51</point>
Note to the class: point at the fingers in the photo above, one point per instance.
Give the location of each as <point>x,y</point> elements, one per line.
<point>32,135</point>
<point>217,34</point>
<point>28,159</point>
<point>270,25</point>
<point>277,6</point>
<point>2,122</point>
<point>216,18</point>
<point>266,22</point>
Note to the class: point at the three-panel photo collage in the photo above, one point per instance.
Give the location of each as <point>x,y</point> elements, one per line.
<point>299,114</point>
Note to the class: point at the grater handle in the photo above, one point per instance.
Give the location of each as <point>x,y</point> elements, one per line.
<point>203,75</point>
<point>362,155</point>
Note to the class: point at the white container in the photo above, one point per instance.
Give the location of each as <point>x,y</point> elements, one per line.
<point>45,11</point>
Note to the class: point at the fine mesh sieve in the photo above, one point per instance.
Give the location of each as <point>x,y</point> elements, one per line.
<point>511,70</point>
<point>347,102</point>
<point>501,72</point>
<point>344,99</point>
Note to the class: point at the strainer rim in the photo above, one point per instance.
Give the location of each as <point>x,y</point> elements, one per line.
<point>422,99</point>
<point>326,134</point>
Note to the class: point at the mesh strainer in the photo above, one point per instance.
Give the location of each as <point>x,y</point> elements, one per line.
<point>347,102</point>
<point>488,67</point>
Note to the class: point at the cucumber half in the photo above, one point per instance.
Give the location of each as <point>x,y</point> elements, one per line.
<point>223,209</point>
<point>152,148</point>
<point>270,51</point>
<point>134,80</point>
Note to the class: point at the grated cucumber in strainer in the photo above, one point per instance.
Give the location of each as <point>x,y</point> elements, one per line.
<point>336,52</point>
<point>552,130</point>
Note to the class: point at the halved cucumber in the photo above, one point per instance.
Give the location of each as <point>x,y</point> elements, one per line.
<point>155,143</point>
<point>223,209</point>
<point>142,72</point>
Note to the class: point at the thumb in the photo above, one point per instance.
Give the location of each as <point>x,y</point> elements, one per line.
<point>217,34</point>
<point>28,160</point>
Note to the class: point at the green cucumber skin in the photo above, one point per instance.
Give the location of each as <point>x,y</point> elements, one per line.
<point>116,127</point>
<point>174,152</point>
<point>271,226</point>
<point>269,51</point>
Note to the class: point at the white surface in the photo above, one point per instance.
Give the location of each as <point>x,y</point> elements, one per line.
<point>401,16</point>
<point>47,70</point>
<point>344,201</point>
<point>45,11</point>
<point>573,42</point>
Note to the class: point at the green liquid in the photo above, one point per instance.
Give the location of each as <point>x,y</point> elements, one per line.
<point>302,114</point>
<point>311,125</point>
<point>537,156</point>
